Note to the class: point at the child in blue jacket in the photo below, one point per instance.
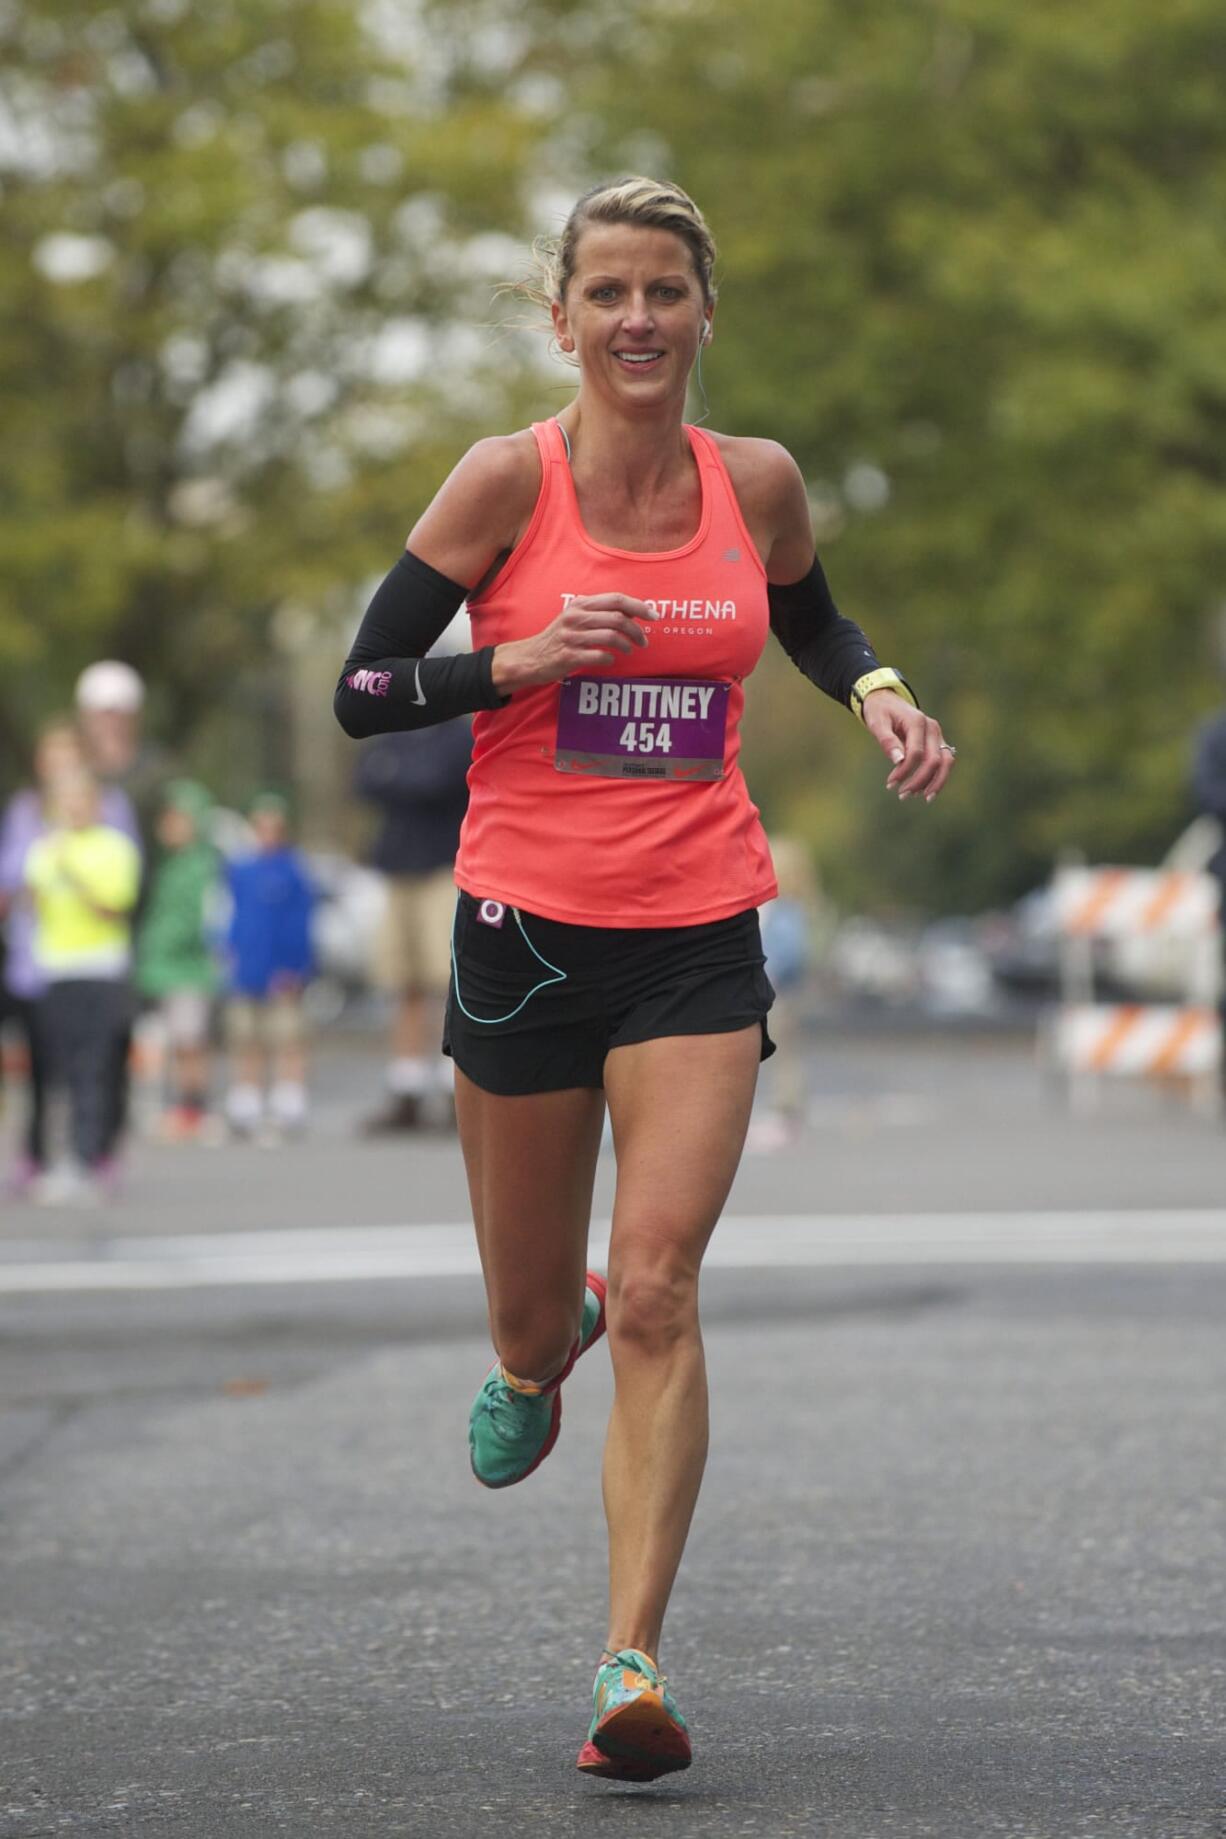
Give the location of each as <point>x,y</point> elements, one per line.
<point>271,960</point>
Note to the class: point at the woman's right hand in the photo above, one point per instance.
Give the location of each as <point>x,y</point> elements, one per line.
<point>588,633</point>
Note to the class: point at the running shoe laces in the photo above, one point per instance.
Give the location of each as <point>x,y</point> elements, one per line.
<point>511,1413</point>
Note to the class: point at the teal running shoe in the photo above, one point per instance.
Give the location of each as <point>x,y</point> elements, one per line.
<point>636,1733</point>
<point>510,1433</point>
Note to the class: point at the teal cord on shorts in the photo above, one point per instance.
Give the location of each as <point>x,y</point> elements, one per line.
<point>492,1021</point>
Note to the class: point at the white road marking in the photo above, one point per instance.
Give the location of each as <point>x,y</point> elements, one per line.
<point>363,1254</point>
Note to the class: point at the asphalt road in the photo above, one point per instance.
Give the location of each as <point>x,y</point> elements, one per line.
<point>958,1568</point>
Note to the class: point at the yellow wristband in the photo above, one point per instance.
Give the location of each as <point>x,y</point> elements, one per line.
<point>884,679</point>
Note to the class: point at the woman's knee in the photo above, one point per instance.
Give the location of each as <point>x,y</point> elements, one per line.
<point>652,1303</point>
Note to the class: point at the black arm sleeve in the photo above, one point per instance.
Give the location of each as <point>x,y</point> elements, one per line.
<point>832,651</point>
<point>388,682</point>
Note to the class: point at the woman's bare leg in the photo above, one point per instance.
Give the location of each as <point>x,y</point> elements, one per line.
<point>680,1109</point>
<point>531,1167</point>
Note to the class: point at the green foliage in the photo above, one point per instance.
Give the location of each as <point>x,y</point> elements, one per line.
<point>200,206</point>
<point>977,247</point>
<point>972,275</point>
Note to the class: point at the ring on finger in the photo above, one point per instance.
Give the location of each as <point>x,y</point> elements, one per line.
<point>951,751</point>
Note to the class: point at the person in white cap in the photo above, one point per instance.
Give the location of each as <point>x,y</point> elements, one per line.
<point>110,702</point>
<point>111,685</point>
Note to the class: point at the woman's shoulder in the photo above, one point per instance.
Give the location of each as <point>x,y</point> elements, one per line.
<point>482,507</point>
<point>769,488</point>
<point>760,465</point>
<point>502,467</point>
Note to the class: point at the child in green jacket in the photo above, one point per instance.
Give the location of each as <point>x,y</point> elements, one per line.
<point>175,966</point>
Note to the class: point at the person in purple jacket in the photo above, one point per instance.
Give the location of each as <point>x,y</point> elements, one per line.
<point>58,755</point>
<point>271,960</point>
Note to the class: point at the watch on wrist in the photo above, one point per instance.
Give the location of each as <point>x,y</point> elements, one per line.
<point>884,678</point>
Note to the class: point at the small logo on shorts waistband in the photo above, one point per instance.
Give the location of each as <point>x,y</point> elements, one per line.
<point>491,912</point>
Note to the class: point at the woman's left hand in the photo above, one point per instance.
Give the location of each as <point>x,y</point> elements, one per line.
<point>921,756</point>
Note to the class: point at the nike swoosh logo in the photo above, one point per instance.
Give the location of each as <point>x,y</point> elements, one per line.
<point>419,698</point>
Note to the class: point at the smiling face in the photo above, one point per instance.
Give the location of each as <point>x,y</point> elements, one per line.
<point>633,312</point>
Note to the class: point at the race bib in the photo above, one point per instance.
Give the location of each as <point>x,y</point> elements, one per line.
<point>642,727</point>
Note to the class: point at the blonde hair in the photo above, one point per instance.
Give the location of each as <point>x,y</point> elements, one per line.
<point>655,204</point>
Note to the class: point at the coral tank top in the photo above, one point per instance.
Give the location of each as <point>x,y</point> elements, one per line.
<point>615,798</point>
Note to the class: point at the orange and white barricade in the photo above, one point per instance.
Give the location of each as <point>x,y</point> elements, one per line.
<point>1159,928</point>
<point>1115,903</point>
<point>1157,1040</point>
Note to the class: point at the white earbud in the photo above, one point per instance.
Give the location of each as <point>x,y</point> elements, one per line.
<point>706,332</point>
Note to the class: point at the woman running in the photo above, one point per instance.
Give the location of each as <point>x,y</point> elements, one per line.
<point>622,572</point>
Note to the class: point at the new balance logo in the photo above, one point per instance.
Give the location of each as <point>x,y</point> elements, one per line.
<point>731,555</point>
<point>373,682</point>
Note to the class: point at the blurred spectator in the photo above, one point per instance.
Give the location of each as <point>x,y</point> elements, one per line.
<point>57,754</point>
<point>110,699</point>
<point>6,1004</point>
<point>84,876</point>
<point>174,965</point>
<point>270,962</point>
<point>788,924</point>
<point>418,782</point>
<point>1209,792</point>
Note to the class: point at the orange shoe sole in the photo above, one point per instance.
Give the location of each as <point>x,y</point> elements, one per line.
<point>638,1736</point>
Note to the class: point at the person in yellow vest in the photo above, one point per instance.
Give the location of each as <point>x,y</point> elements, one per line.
<point>84,878</point>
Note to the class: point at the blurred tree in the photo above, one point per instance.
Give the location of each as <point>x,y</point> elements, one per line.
<point>975,281</point>
<point>235,241</point>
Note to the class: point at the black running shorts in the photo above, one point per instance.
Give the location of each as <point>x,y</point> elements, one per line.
<point>535,1004</point>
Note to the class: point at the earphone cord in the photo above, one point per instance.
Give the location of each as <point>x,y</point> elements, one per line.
<point>706,406</point>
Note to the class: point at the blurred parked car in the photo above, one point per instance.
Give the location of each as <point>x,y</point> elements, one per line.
<point>869,959</point>
<point>954,972</point>
<point>1023,946</point>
